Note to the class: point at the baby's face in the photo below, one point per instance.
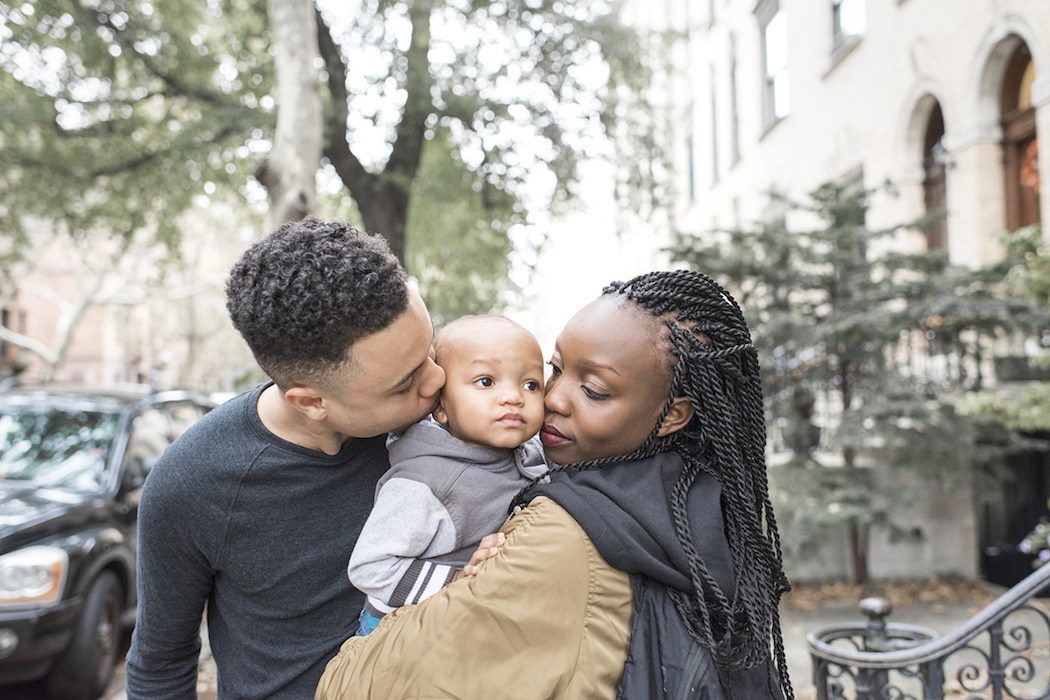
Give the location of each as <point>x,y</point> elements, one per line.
<point>493,392</point>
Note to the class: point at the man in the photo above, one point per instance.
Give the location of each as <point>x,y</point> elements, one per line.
<point>253,510</point>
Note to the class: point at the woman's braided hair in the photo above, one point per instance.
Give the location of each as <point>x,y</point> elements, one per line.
<point>716,368</point>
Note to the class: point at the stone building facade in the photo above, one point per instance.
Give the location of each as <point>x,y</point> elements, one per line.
<point>929,104</point>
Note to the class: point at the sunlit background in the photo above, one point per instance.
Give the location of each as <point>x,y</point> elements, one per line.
<point>522,154</point>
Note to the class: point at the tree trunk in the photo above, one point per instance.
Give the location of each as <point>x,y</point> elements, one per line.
<point>858,546</point>
<point>290,173</point>
<point>383,197</point>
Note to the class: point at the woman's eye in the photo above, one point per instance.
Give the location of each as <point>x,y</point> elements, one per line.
<point>592,394</point>
<point>555,369</point>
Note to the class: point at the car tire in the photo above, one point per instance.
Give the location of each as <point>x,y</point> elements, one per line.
<point>86,668</point>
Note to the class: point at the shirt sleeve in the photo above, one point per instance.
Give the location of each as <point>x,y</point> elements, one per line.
<point>520,623</point>
<point>407,523</point>
<point>174,580</point>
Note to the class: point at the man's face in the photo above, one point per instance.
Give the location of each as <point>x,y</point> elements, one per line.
<point>392,381</point>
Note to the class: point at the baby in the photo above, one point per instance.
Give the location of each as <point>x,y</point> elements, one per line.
<point>452,476</point>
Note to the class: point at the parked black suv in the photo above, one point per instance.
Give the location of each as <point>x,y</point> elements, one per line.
<point>72,465</point>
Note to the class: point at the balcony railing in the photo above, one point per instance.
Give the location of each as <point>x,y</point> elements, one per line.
<point>1001,653</point>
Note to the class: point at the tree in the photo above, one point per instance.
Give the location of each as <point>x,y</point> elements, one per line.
<point>458,241</point>
<point>289,174</point>
<point>99,271</point>
<point>865,355</point>
<point>115,116</point>
<point>1028,255</point>
<point>119,114</point>
<point>146,104</point>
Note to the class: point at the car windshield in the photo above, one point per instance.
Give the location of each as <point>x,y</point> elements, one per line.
<point>56,447</point>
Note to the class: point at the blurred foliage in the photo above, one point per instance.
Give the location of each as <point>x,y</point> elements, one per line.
<point>458,247</point>
<point>865,353</point>
<point>116,114</point>
<point>1029,251</point>
<point>1028,411</point>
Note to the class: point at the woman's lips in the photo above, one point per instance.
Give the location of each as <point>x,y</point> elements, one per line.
<point>550,437</point>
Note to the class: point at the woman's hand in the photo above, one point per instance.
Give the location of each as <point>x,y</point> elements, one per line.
<point>487,549</point>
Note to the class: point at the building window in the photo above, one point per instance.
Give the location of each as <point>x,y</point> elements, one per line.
<point>1020,146</point>
<point>734,99</point>
<point>691,167</point>
<point>714,127</point>
<point>847,20</point>
<point>935,180</point>
<point>772,22</point>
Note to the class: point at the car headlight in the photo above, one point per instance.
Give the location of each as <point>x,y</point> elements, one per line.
<point>32,576</point>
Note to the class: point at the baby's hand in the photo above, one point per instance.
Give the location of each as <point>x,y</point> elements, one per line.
<point>487,549</point>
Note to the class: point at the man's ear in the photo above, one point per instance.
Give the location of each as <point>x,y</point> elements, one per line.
<point>307,400</point>
<point>677,418</point>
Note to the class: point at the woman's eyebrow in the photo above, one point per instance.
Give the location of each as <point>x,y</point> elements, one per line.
<point>600,365</point>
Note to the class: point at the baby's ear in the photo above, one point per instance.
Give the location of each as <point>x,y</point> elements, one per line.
<point>677,418</point>
<point>440,415</point>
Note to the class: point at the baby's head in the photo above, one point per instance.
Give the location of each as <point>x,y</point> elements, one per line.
<point>493,392</point>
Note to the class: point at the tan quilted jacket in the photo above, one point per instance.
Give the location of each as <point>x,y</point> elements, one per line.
<point>547,617</point>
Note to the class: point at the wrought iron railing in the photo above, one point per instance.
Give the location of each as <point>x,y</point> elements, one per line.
<point>1001,653</point>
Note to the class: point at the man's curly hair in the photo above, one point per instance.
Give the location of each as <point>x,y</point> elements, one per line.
<point>308,291</point>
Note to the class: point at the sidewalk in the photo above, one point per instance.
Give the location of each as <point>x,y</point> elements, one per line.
<point>939,605</point>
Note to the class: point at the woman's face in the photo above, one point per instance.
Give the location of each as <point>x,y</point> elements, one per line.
<point>610,377</point>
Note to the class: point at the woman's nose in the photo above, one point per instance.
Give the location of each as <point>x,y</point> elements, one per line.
<point>554,398</point>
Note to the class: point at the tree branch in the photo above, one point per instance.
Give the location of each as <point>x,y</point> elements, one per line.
<point>26,343</point>
<point>90,17</point>
<point>411,130</point>
<point>359,181</point>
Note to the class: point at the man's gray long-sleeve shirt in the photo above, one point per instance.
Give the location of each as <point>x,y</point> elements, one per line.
<point>257,529</point>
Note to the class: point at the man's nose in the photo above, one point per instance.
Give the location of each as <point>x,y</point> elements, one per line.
<point>434,380</point>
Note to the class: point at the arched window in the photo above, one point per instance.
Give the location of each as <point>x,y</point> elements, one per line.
<point>1020,145</point>
<point>934,182</point>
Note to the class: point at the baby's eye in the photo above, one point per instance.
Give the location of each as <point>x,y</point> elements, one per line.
<point>532,385</point>
<point>485,382</point>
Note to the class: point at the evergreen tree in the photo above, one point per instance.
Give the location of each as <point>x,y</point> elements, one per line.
<point>1028,413</point>
<point>865,353</point>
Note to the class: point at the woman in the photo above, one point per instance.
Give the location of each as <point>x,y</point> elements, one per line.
<point>649,565</point>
